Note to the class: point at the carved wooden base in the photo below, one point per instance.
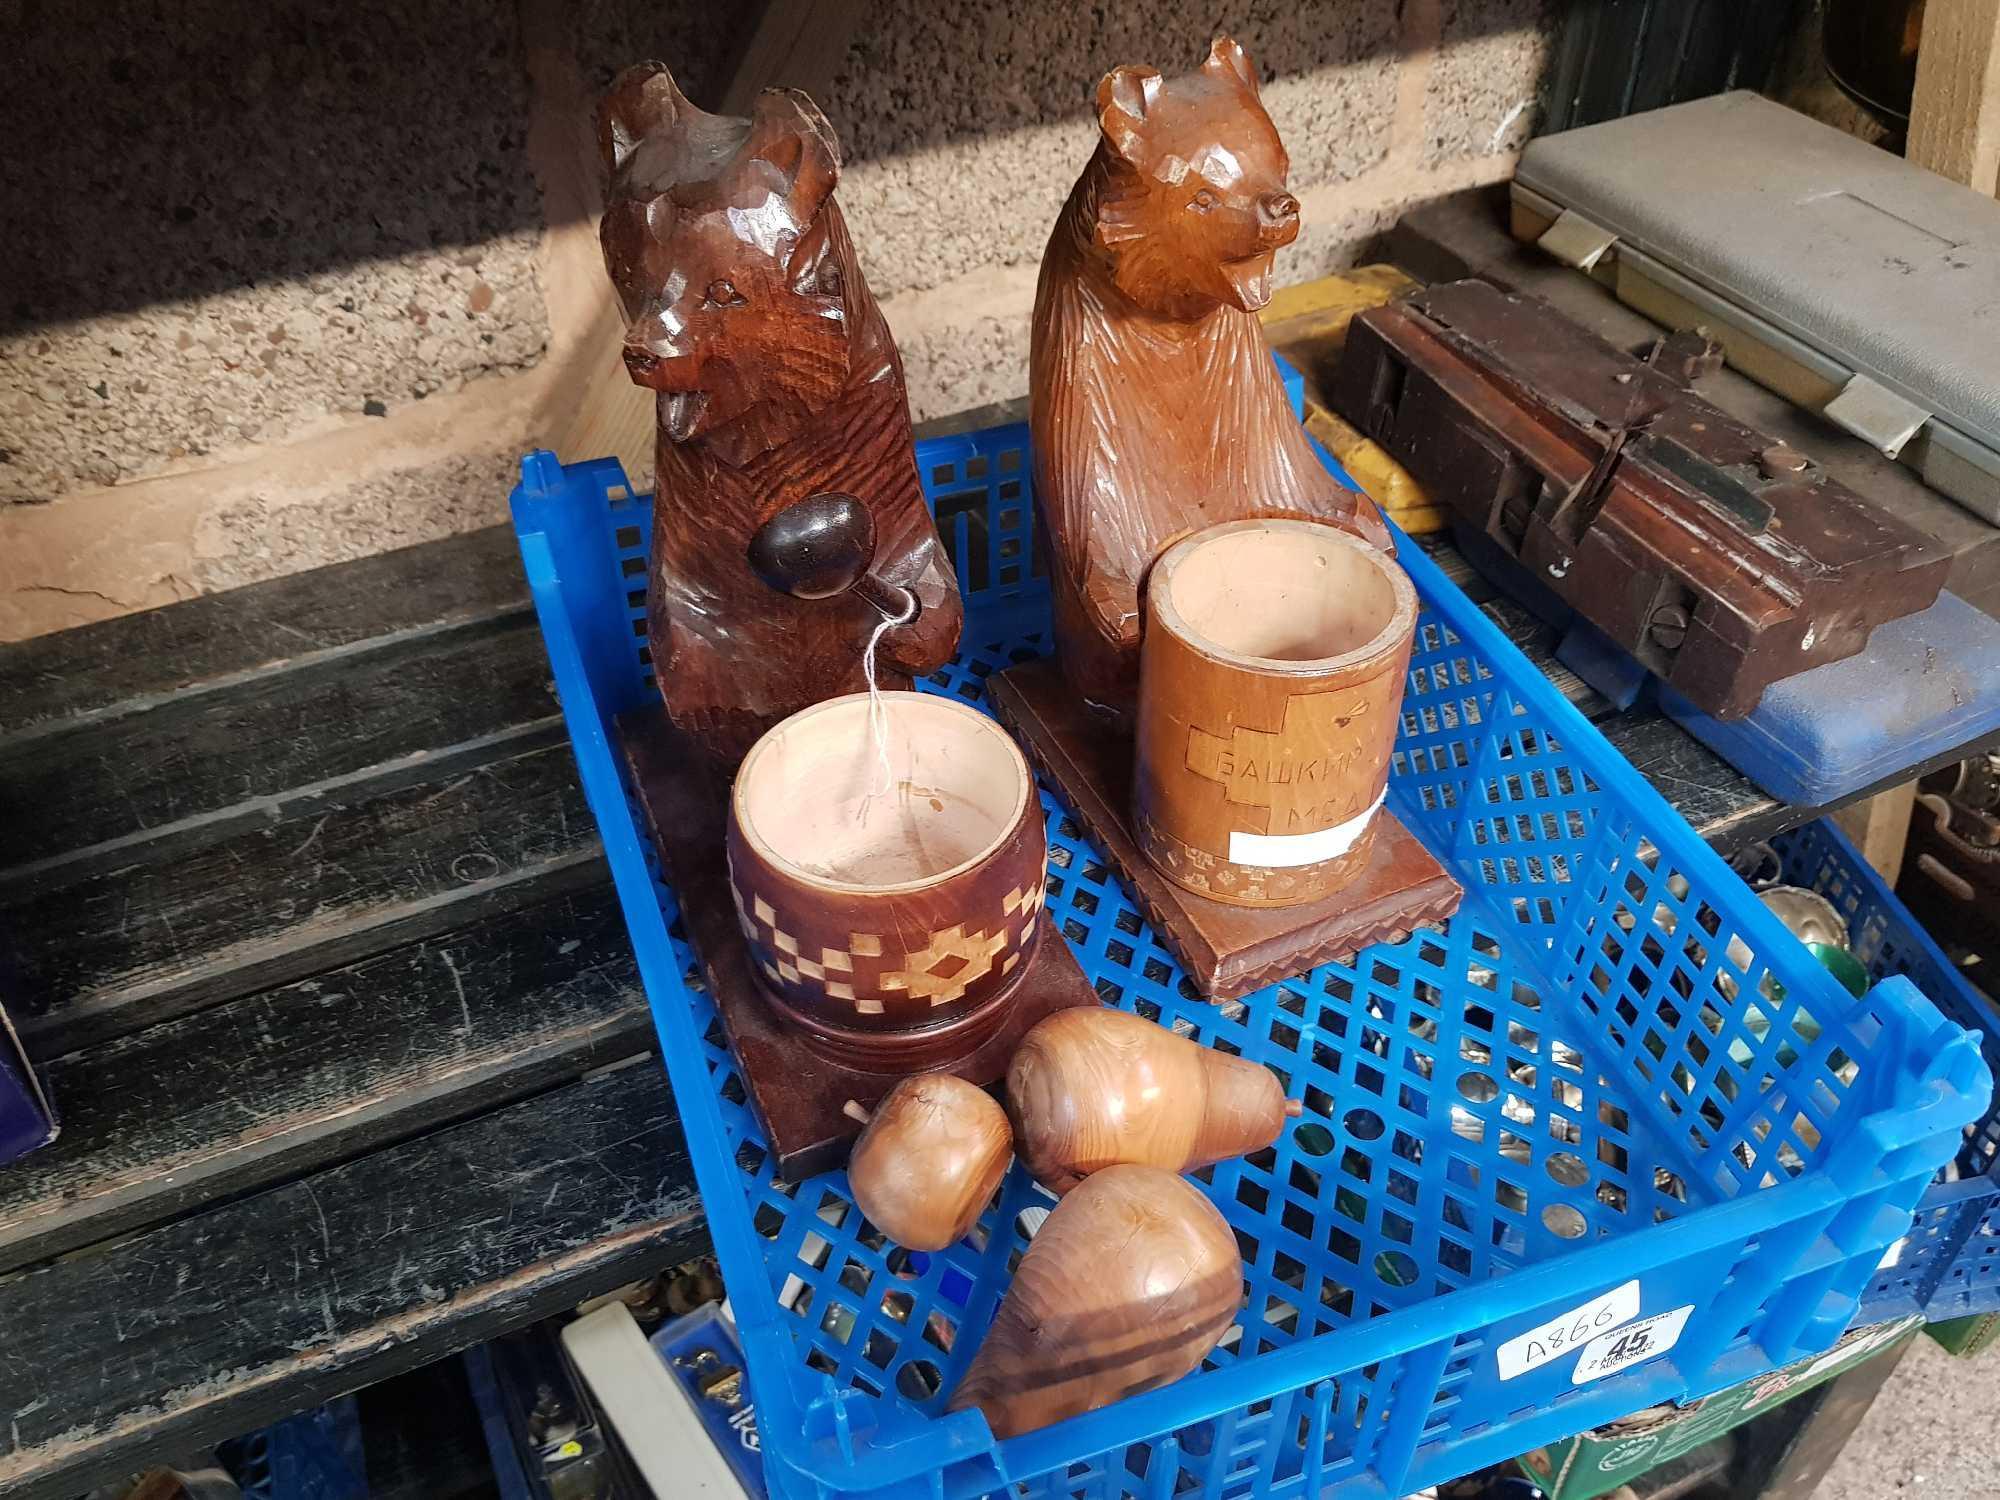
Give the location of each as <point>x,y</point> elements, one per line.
<point>1227,950</point>
<point>797,1090</point>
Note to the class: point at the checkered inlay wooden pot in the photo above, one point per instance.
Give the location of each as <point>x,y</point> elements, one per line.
<point>879,902</point>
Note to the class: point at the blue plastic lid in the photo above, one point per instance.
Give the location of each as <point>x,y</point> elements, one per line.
<point>1923,685</point>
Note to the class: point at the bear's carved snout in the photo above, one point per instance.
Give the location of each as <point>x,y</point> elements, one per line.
<point>656,358</point>
<point>661,371</point>
<point>1277,219</point>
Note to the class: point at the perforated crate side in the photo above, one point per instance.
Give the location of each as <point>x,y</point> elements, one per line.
<point>1499,1120</point>
<point>1949,1264</point>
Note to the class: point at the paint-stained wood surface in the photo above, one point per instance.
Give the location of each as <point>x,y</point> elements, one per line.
<point>235,1316</point>
<point>127,664</point>
<point>268,901</point>
<point>241,751</point>
<point>454,1023</point>
<point>303,913</point>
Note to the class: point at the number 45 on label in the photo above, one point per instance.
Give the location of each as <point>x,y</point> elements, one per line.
<point>1621,1348</point>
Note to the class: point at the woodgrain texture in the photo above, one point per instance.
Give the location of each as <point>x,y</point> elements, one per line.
<point>298,888</point>
<point>1880,828</point>
<point>1227,950</point>
<point>890,920</point>
<point>1955,113</point>
<point>799,1091</point>
<point>929,1159</point>
<point>296,1077</point>
<point>1270,688</point>
<point>242,1314</point>
<point>124,665</point>
<point>271,901</point>
<point>789,44</point>
<point>1719,558</point>
<point>1156,408</point>
<point>1127,1285</point>
<point>1090,1089</point>
<point>188,765</point>
<point>777,380</point>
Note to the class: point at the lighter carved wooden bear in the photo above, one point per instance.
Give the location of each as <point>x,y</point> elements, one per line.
<point>1156,409</point>
<point>778,382</point>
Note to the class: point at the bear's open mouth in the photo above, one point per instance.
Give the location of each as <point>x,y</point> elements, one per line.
<point>680,413</point>
<point>1250,278</point>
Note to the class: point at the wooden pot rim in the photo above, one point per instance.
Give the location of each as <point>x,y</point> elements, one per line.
<point>1384,643</point>
<point>900,703</point>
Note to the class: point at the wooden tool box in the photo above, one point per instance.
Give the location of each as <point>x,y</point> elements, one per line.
<point>1721,559</point>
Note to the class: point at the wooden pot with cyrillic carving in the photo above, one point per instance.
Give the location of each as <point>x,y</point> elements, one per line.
<point>1271,679</point>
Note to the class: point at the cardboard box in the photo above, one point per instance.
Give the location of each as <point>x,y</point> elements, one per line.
<point>1596,1462</point>
<point>1967,1337</point>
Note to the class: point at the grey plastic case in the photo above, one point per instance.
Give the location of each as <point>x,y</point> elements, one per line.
<point>1844,277</point>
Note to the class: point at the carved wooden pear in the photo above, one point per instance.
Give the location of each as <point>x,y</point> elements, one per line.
<point>1090,1088</point>
<point>934,1151</point>
<point>1130,1282</point>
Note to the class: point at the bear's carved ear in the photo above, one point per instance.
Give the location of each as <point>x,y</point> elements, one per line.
<point>643,100</point>
<point>1227,59</point>
<point>1123,97</point>
<point>788,131</point>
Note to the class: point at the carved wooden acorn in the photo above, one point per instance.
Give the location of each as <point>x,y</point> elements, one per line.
<point>1091,1088</point>
<point>1155,406</point>
<point>927,1164</point>
<point>1129,1283</point>
<point>778,383</point>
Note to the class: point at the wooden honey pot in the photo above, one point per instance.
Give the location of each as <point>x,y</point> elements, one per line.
<point>891,899</point>
<point>1271,678</point>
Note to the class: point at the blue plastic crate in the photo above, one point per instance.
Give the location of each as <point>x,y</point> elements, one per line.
<point>1949,1264</point>
<point>315,1455</point>
<point>1572,1101</point>
<point>730,1425</point>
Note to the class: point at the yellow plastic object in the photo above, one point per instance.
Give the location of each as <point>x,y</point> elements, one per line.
<point>1308,324</point>
<point>1381,478</point>
<point>1326,305</point>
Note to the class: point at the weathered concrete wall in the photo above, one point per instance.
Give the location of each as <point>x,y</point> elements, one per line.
<point>304,281</point>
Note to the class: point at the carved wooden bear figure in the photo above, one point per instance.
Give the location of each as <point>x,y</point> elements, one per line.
<point>778,381</point>
<point>1156,408</point>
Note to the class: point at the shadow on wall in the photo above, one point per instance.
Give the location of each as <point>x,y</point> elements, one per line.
<point>166,150</point>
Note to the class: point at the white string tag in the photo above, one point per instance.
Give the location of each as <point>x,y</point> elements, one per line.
<point>878,716</point>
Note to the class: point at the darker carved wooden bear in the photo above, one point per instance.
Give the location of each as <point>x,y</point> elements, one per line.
<point>778,381</point>
<point>1156,409</point>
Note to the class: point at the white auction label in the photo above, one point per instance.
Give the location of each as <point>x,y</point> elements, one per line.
<point>1545,1341</point>
<point>1622,1348</point>
<point>1287,851</point>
